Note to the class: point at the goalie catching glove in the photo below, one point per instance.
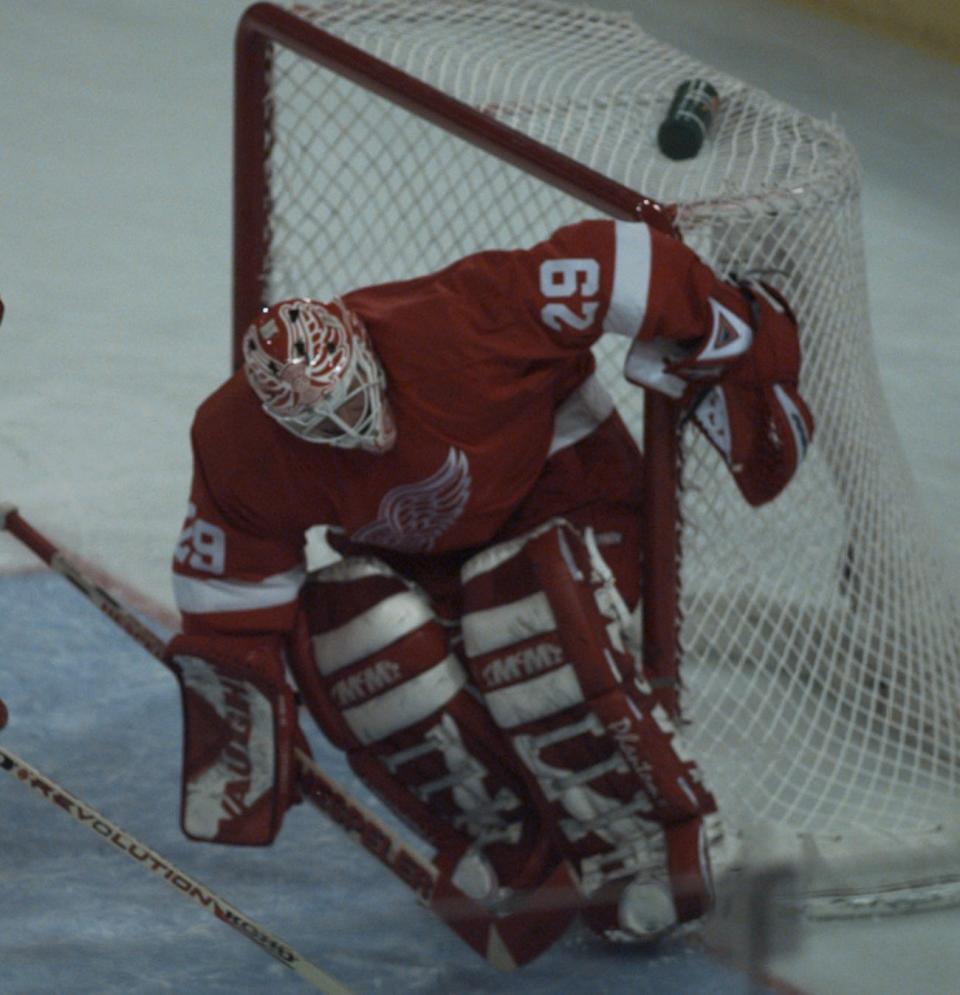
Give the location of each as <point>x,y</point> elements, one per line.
<point>240,727</point>
<point>740,385</point>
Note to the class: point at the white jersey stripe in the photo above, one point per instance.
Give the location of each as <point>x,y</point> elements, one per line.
<point>202,596</point>
<point>580,414</point>
<point>631,279</point>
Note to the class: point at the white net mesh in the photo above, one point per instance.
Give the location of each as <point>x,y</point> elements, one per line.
<point>820,633</point>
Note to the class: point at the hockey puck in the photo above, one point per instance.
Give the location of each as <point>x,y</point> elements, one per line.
<point>4,714</point>
<point>689,119</point>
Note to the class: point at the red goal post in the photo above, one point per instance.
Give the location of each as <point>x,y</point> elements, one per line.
<point>818,638</point>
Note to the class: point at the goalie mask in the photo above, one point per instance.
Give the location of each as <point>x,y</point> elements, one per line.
<point>314,369</point>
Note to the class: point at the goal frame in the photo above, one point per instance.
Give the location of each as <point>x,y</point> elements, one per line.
<point>265,23</point>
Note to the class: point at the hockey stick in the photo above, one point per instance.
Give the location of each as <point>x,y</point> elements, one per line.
<point>505,941</point>
<point>189,887</point>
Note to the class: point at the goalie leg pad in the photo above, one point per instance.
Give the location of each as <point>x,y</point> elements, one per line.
<point>543,634</point>
<point>239,730</point>
<point>379,677</point>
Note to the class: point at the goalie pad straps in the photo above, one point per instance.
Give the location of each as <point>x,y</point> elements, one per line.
<point>239,723</point>
<point>379,678</point>
<point>542,631</point>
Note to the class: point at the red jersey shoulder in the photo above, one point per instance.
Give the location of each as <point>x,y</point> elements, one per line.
<point>252,467</point>
<point>230,430</point>
<point>564,283</point>
<point>529,304</point>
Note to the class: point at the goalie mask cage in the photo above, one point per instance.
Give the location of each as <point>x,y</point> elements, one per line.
<point>817,636</point>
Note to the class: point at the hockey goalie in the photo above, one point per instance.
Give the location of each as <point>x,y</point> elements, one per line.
<point>472,650</point>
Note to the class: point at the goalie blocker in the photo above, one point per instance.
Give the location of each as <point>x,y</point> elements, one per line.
<point>239,728</point>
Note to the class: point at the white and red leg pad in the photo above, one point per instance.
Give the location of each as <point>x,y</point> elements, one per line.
<point>239,727</point>
<point>542,636</point>
<point>377,674</point>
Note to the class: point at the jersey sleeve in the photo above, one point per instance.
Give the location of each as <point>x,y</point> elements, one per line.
<point>615,277</point>
<point>229,580</point>
<point>625,278</point>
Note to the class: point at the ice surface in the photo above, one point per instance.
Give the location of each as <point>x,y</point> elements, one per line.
<point>93,712</point>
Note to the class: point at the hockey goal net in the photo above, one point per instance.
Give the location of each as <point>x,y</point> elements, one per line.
<point>817,637</point>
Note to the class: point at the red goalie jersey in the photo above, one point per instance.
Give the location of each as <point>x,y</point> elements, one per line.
<point>500,421</point>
